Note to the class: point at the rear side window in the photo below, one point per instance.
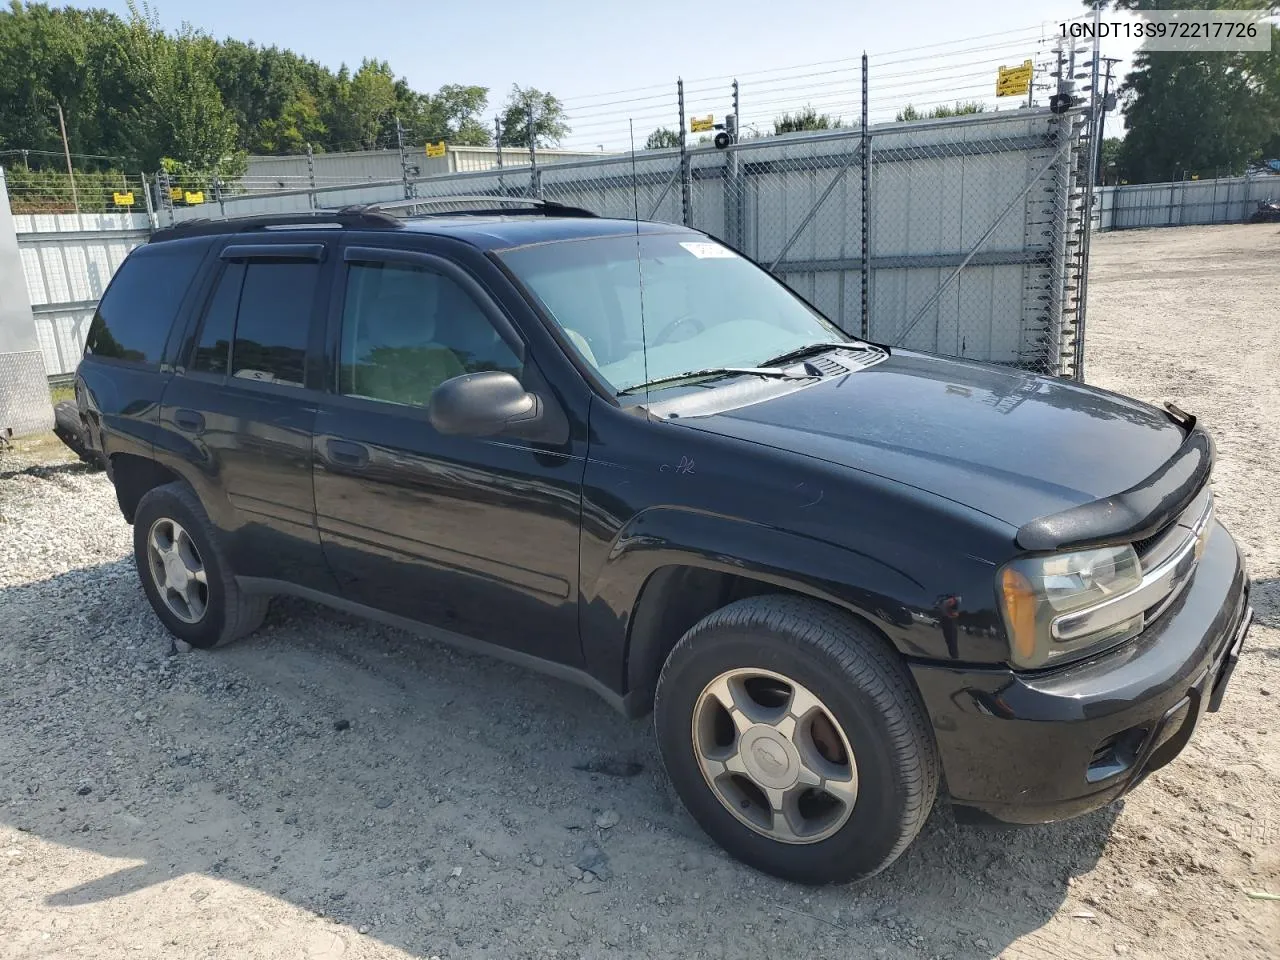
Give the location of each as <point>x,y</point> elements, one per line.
<point>135,314</point>
<point>213,352</point>
<point>258,320</point>
<point>274,321</point>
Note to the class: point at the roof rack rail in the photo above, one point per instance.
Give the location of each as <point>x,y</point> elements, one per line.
<point>347,217</point>
<point>536,207</point>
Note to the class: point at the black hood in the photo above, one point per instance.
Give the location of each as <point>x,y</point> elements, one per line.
<point>1014,445</point>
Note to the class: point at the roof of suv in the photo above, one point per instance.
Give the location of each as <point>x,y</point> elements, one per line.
<point>501,232</point>
<point>488,232</point>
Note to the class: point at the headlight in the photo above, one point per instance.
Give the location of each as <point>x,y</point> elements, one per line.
<point>1034,591</point>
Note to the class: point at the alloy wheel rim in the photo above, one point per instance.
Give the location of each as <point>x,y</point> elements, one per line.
<point>774,755</point>
<point>177,570</point>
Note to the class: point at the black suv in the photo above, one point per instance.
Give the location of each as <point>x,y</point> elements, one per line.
<point>619,452</point>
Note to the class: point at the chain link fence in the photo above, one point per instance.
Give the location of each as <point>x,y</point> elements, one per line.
<point>961,235</point>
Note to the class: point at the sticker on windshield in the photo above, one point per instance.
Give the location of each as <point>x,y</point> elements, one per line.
<point>707,251</point>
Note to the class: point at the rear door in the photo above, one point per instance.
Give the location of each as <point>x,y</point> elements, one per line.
<point>238,414</point>
<point>478,535</point>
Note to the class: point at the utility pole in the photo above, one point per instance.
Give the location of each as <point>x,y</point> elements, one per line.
<point>66,149</point>
<point>1106,105</point>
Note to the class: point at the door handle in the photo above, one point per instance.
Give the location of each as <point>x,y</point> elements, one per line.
<point>347,453</point>
<point>188,421</point>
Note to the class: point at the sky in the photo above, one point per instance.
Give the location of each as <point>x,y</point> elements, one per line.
<point>610,62</point>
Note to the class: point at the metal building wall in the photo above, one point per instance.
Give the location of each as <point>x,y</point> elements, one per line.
<point>292,172</point>
<point>68,260</point>
<point>24,391</point>
<point>1183,203</point>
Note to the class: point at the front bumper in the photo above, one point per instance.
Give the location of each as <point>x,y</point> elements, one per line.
<point>1038,747</point>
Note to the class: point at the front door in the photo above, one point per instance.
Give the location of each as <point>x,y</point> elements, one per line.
<point>475,535</point>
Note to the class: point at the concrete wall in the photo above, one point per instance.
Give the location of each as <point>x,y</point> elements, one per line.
<point>24,391</point>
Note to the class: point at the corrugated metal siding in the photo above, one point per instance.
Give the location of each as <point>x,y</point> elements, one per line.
<point>292,172</point>
<point>68,260</point>
<point>1182,203</point>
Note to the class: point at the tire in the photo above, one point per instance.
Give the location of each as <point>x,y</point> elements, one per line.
<point>227,613</point>
<point>861,688</point>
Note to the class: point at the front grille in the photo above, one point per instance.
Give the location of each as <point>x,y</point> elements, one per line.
<point>1173,536</point>
<point>1142,546</point>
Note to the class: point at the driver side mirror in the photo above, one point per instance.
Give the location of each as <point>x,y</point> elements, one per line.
<point>483,404</point>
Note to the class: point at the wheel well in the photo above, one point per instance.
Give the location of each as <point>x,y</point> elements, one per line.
<point>672,600</point>
<point>134,476</point>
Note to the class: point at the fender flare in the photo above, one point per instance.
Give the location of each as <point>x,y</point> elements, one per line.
<point>671,537</point>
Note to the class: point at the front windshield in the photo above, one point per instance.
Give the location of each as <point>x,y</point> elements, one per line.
<point>704,306</point>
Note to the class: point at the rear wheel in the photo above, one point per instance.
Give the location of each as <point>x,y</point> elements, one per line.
<point>185,573</point>
<point>795,737</point>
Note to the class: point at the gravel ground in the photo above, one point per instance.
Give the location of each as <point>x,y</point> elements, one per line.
<point>329,788</point>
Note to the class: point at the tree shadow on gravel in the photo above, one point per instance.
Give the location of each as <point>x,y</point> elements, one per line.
<point>446,802</point>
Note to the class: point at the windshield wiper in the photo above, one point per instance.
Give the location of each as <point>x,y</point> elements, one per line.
<point>715,372</point>
<point>809,349</point>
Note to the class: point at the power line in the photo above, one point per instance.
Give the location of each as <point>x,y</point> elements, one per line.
<point>59,153</point>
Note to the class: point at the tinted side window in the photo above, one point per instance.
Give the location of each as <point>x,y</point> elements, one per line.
<point>134,316</point>
<point>213,352</point>
<point>406,330</point>
<point>274,321</point>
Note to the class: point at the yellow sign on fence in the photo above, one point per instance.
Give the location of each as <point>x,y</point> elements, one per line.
<point>436,149</point>
<point>702,124</point>
<point>1014,81</point>
<point>123,199</point>
<point>193,198</point>
<point>175,193</point>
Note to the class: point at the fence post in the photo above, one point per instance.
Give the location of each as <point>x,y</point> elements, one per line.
<point>404,161</point>
<point>497,143</point>
<point>151,209</point>
<point>165,186</point>
<point>535,186</point>
<point>311,177</point>
<point>735,206</point>
<point>866,206</point>
<point>686,188</point>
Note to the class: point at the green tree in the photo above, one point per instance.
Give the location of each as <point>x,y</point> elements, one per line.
<point>806,119</point>
<point>1198,113</point>
<point>662,139</point>
<point>176,110</point>
<point>549,124</point>
<point>1109,160</point>
<point>960,109</point>
<point>135,95</point>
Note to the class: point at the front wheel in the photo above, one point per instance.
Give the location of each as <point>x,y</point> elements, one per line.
<point>795,738</point>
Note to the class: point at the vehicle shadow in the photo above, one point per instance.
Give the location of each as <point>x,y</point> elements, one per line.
<point>442,802</point>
